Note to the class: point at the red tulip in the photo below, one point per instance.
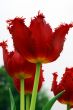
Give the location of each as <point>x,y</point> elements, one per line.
<point>29,83</point>
<point>16,65</point>
<point>65,84</point>
<point>38,43</point>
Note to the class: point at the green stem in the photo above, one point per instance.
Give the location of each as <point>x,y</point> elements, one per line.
<point>68,107</point>
<point>35,87</point>
<point>27,102</point>
<point>22,101</point>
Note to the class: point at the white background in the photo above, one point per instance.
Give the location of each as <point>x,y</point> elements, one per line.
<point>56,12</point>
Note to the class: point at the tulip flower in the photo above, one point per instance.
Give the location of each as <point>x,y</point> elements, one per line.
<point>16,65</point>
<point>66,84</point>
<point>38,43</point>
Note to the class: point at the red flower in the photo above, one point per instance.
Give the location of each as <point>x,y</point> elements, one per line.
<point>29,83</point>
<point>16,65</point>
<point>65,84</point>
<point>37,43</point>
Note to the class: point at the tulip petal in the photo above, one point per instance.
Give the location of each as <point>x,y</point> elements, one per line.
<point>58,39</point>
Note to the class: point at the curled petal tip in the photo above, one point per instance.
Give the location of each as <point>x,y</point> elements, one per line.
<point>40,15</point>
<point>71,24</point>
<point>55,75</point>
<point>16,20</point>
<point>54,84</point>
<point>3,44</point>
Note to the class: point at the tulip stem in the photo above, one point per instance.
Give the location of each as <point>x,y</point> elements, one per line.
<point>27,102</point>
<point>35,87</point>
<point>22,101</point>
<point>68,107</point>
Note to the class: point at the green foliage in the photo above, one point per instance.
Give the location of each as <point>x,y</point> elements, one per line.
<point>50,103</point>
<point>42,99</point>
<point>13,106</point>
<point>6,83</point>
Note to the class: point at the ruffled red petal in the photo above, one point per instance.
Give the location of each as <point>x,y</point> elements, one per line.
<point>41,38</point>
<point>20,34</point>
<point>66,83</point>
<point>58,39</point>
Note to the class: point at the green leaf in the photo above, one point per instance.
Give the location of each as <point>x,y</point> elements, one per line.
<point>13,107</point>
<point>50,103</point>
